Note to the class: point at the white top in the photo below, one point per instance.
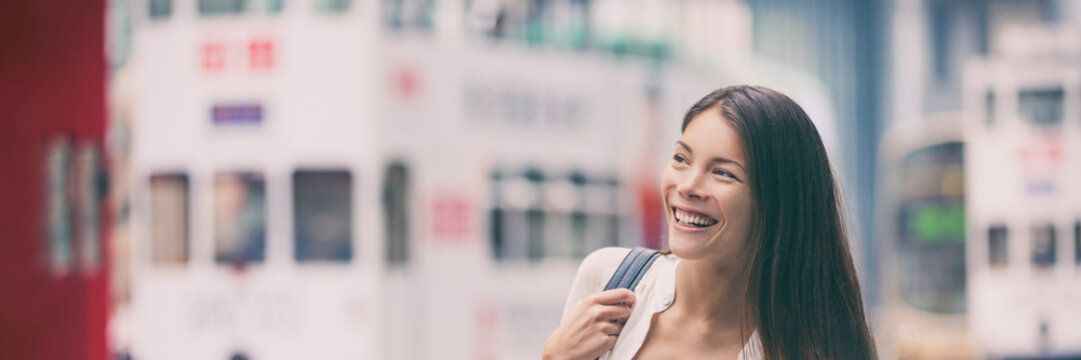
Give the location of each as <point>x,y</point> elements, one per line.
<point>654,294</point>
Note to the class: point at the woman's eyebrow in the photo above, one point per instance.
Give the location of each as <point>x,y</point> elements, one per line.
<point>716,159</point>
<point>684,145</point>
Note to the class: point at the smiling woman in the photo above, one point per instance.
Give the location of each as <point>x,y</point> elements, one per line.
<point>705,193</point>
<point>758,265</point>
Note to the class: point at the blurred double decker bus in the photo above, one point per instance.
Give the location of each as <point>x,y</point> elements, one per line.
<point>921,225</point>
<point>1023,157</point>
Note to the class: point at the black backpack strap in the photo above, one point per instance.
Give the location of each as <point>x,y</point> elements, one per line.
<point>632,269</point>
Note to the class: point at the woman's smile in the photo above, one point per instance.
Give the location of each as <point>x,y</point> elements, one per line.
<point>687,220</point>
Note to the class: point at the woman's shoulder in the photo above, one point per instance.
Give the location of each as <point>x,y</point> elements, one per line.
<point>599,265</point>
<point>604,259</point>
<point>593,273</point>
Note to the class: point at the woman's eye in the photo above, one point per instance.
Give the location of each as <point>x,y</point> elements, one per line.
<point>724,173</point>
<point>679,158</point>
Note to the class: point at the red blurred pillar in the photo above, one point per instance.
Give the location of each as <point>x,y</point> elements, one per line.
<point>52,85</point>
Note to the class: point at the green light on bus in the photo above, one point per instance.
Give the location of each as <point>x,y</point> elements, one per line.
<point>933,224</point>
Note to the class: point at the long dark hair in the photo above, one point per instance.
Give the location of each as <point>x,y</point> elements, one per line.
<point>802,291</point>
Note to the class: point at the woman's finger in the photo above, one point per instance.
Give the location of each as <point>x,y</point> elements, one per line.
<point>610,328</point>
<point>609,312</point>
<point>613,297</point>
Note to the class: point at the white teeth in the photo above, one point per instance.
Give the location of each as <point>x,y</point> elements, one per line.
<point>691,219</point>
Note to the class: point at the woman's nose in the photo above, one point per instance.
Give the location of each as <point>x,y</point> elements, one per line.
<point>689,187</point>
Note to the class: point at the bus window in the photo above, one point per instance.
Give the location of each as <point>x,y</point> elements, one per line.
<point>160,9</point>
<point>579,220</point>
<point>58,206</point>
<point>322,215</point>
<point>396,211</point>
<point>535,217</point>
<point>516,217</point>
<point>495,214</point>
<point>416,15</point>
<point>239,218</point>
<point>603,223</point>
<point>613,215</point>
<point>1041,107</point>
<point>1077,242</point>
<point>997,248</point>
<point>90,193</point>
<point>561,198</point>
<point>1043,245</point>
<point>931,246</point>
<point>237,7</point>
<point>989,108</point>
<point>332,6</point>
<point>169,222</point>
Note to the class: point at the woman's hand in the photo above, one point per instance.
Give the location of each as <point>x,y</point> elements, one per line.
<point>590,329</point>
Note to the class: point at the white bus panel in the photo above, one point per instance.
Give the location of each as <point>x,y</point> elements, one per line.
<point>1023,141</point>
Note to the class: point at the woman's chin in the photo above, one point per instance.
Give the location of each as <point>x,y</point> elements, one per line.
<point>686,247</point>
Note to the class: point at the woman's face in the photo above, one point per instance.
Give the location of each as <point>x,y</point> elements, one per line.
<point>705,188</point>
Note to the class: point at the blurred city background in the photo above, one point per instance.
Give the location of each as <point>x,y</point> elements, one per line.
<point>418,179</point>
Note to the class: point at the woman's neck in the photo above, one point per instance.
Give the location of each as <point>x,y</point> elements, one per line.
<point>711,292</point>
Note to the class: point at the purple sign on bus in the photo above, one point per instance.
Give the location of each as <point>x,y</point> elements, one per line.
<point>237,114</point>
